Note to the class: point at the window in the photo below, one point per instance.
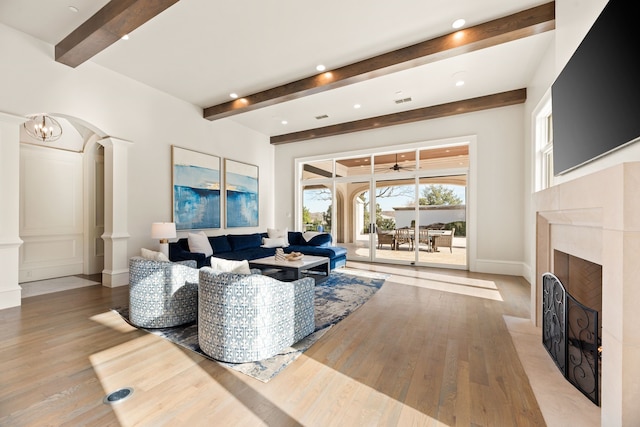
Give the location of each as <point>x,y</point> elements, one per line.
<point>547,153</point>
<point>544,145</point>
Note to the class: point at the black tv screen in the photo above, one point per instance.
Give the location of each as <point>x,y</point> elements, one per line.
<point>596,98</point>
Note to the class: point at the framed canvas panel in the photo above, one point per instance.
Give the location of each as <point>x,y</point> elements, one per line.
<point>241,184</point>
<point>196,189</point>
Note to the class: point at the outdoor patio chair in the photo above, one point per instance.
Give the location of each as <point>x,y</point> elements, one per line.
<point>385,238</point>
<point>404,235</point>
<point>424,238</point>
<point>444,240</point>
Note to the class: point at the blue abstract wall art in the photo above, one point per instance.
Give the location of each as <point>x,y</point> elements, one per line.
<point>241,183</point>
<point>196,189</point>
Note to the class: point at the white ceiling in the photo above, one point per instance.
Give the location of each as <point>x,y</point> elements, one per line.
<point>202,50</point>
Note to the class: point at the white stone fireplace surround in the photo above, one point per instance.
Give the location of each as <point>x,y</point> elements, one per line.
<point>597,218</point>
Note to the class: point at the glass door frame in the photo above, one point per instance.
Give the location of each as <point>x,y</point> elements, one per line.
<point>470,171</point>
<point>371,241</point>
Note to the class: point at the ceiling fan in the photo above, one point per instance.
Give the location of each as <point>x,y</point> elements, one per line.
<point>382,163</point>
<point>396,167</point>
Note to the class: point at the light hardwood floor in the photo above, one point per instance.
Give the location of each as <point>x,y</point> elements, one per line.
<point>430,348</point>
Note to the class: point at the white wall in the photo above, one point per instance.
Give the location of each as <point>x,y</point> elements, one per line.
<point>430,215</point>
<point>499,199</point>
<point>31,81</point>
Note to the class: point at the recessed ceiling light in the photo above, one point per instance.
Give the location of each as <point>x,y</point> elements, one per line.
<point>458,23</point>
<point>73,9</point>
<point>459,78</point>
<point>125,37</point>
<point>320,67</point>
<point>284,122</point>
<point>233,95</point>
<point>356,106</point>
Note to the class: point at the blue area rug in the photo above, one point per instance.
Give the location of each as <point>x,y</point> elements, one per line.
<point>340,295</point>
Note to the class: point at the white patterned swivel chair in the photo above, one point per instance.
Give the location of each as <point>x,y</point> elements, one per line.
<point>244,318</point>
<point>161,293</point>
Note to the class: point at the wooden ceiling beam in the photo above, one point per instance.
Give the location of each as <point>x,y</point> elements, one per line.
<point>497,100</point>
<point>502,30</point>
<point>105,27</point>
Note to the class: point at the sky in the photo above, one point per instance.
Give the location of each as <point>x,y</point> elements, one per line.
<point>387,203</point>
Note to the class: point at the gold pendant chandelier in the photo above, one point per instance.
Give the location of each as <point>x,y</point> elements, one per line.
<point>43,127</point>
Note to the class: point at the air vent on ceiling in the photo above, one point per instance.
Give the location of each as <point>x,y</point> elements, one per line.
<point>323,116</point>
<point>402,101</point>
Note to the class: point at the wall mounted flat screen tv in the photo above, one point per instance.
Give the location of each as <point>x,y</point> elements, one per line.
<point>596,98</point>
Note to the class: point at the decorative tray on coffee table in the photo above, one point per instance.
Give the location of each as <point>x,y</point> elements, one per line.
<point>294,256</point>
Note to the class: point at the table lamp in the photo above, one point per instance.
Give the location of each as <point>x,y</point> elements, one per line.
<point>163,231</point>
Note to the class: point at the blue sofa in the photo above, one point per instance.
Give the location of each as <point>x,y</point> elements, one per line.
<point>249,247</point>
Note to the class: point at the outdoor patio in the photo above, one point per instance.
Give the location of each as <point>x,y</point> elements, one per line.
<point>457,256</point>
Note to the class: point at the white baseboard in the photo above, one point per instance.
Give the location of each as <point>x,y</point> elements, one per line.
<point>34,273</point>
<point>114,279</point>
<point>528,273</point>
<point>511,268</point>
<point>10,297</point>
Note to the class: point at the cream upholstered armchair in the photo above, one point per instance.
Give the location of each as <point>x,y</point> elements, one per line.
<point>162,293</point>
<point>250,317</point>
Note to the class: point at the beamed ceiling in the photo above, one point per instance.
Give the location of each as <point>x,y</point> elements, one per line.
<point>399,63</point>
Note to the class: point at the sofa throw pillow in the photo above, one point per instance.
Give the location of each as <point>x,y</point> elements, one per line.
<point>282,233</point>
<point>276,242</point>
<point>153,255</point>
<point>308,235</point>
<point>220,244</point>
<point>230,266</point>
<point>199,242</point>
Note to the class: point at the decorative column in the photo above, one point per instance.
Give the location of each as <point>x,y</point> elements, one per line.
<point>10,290</point>
<point>116,233</point>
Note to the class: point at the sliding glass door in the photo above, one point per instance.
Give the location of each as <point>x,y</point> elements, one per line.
<point>394,217</point>
<point>406,207</point>
<point>359,193</point>
<point>441,221</point>
<point>317,207</point>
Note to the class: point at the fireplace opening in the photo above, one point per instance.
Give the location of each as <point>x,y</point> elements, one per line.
<point>571,313</point>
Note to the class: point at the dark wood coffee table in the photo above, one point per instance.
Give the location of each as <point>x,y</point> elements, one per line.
<point>309,266</point>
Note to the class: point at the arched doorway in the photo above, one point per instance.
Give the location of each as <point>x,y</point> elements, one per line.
<point>68,191</point>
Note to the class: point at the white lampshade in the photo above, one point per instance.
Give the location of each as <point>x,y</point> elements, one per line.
<point>163,230</point>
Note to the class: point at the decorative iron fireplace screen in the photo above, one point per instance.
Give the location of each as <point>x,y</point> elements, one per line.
<point>570,335</point>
